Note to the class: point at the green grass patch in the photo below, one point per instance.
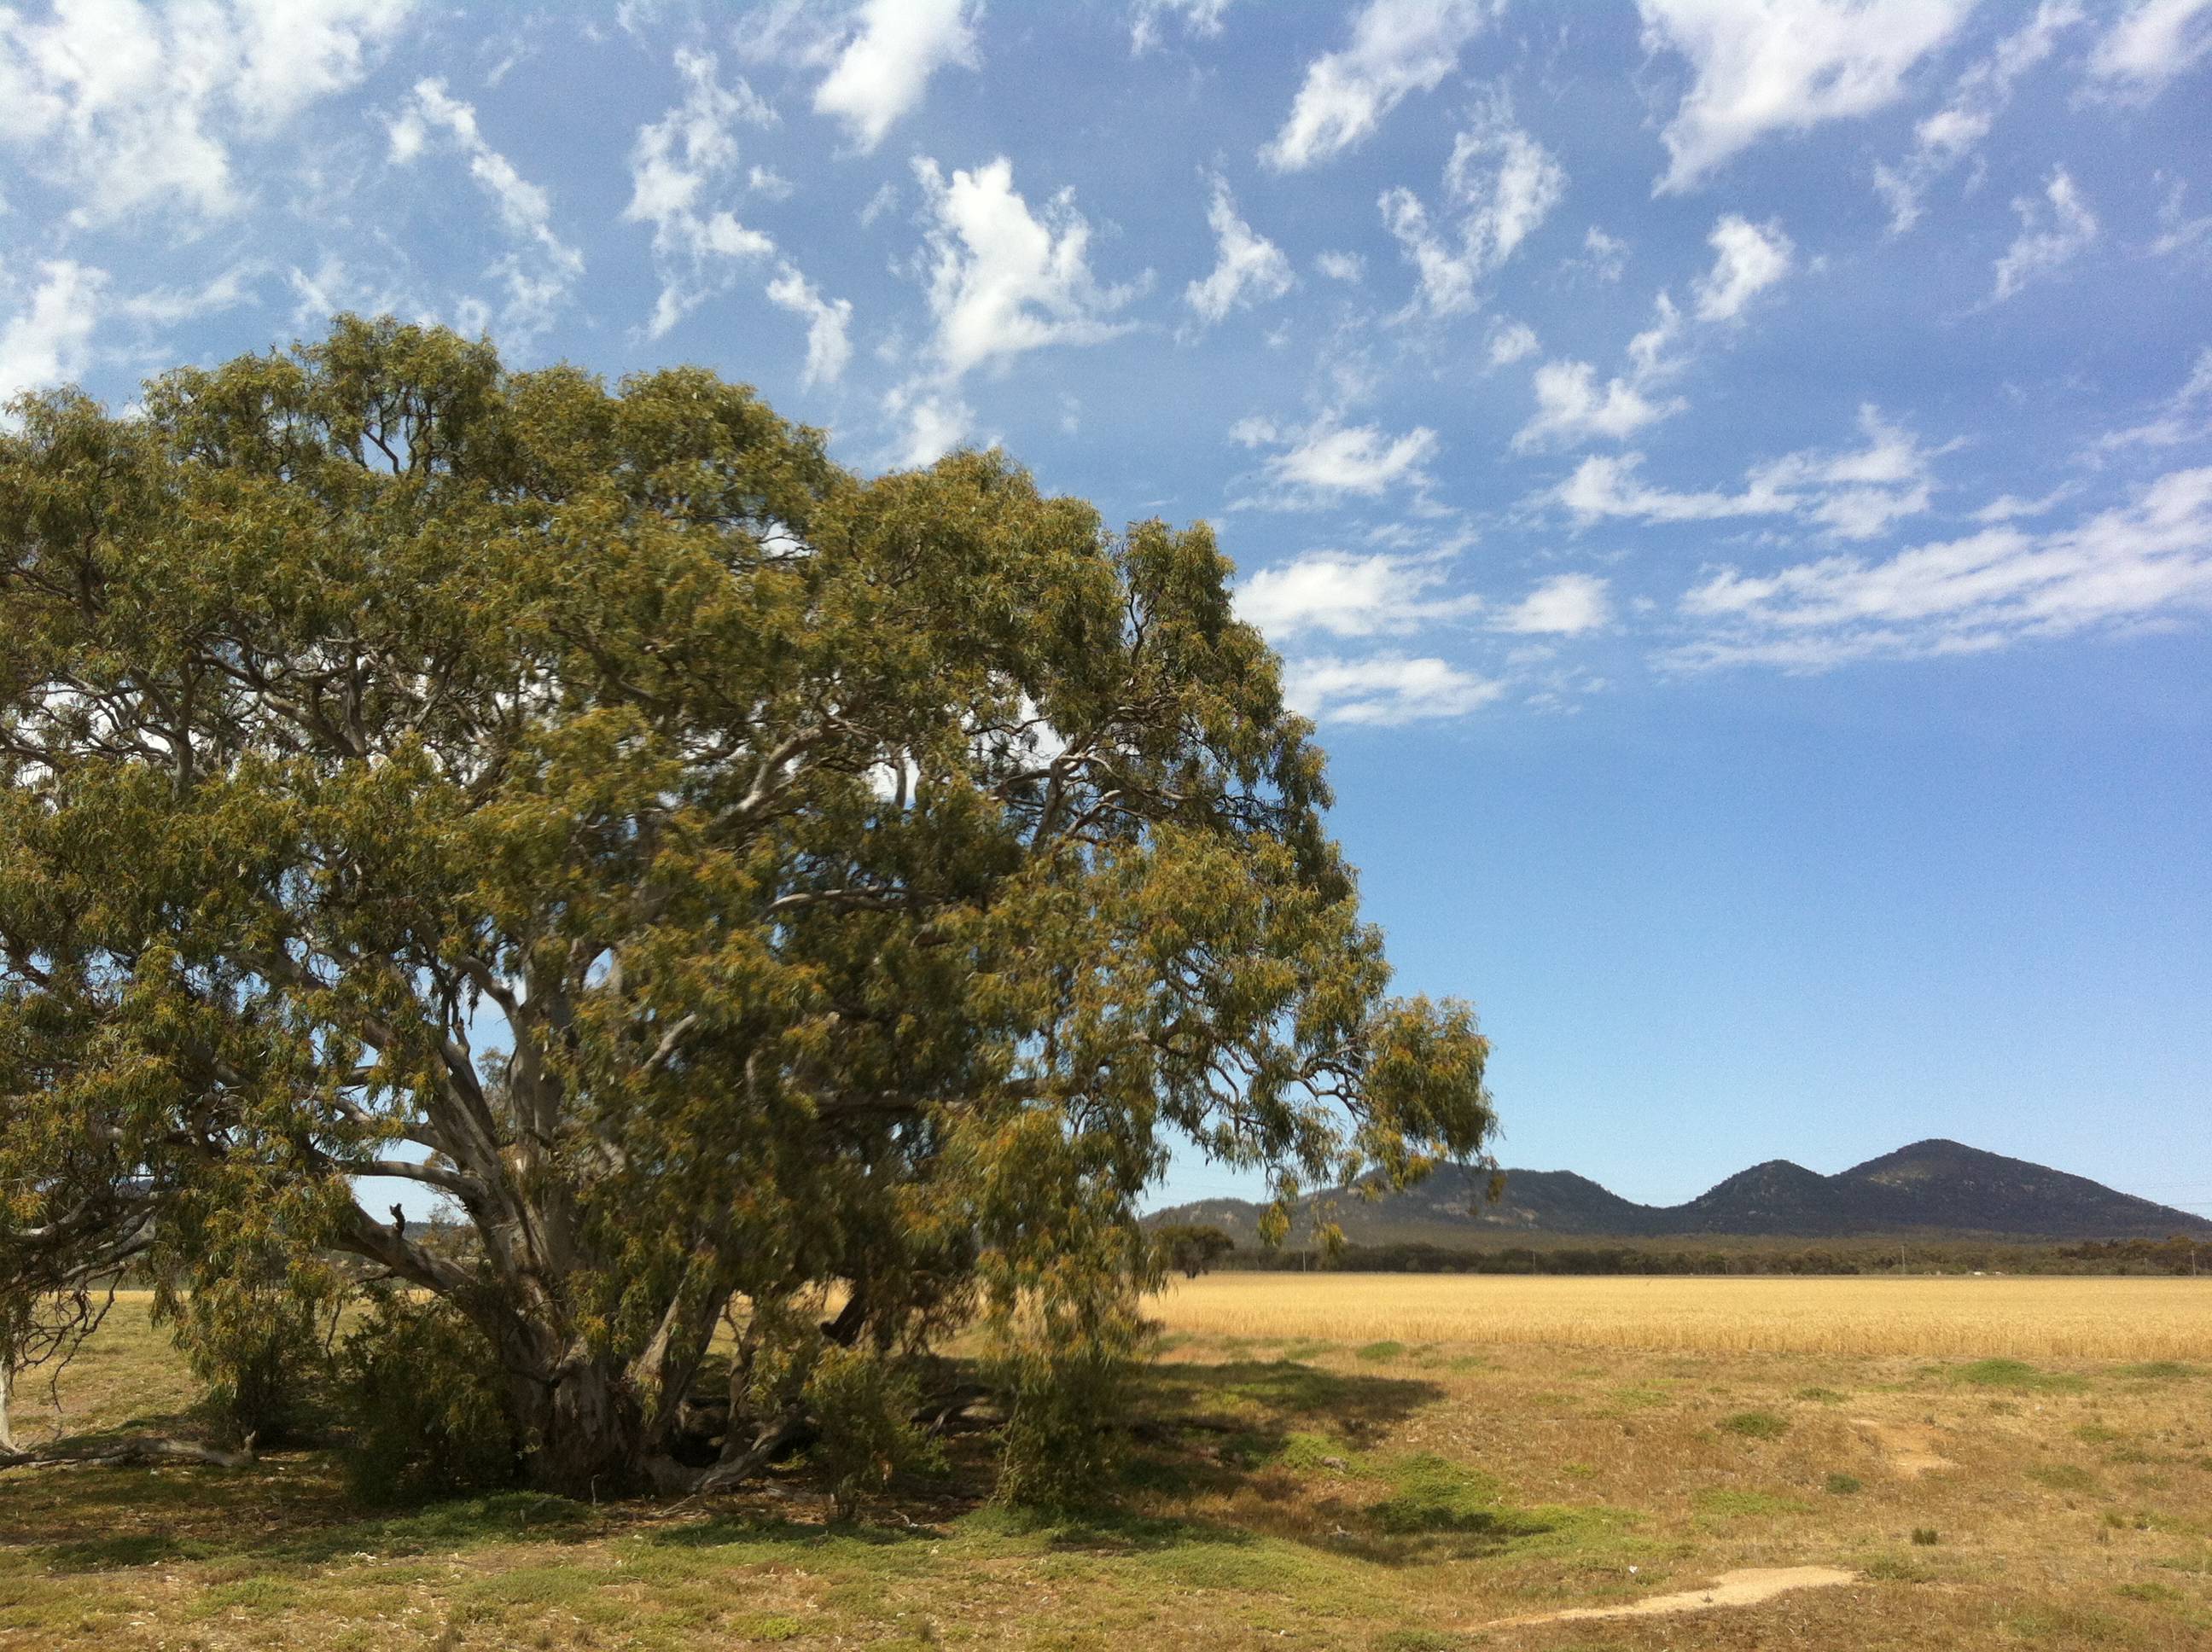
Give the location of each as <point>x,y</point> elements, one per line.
<point>1756,1424</point>
<point>1820,1396</point>
<point>1844,1485</point>
<point>2016,1376</point>
<point>1380,1350</point>
<point>2063,1477</point>
<point>2159,1371</point>
<point>1718,1504</point>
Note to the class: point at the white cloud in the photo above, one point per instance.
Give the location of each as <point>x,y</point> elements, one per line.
<point>1004,280</point>
<point>1853,495</point>
<point>136,109</point>
<point>885,67</point>
<point>1346,267</point>
<point>334,286</point>
<point>2147,560</point>
<point>165,306</point>
<point>1566,604</point>
<point>1383,691</point>
<point>935,421</point>
<point>1319,462</point>
<point>48,342</point>
<point>1504,184</point>
<point>1249,268</point>
<point>1942,139</point>
<point>1764,66</point>
<point>2047,239</point>
<point>671,165</point>
<point>1570,407</point>
<point>1605,258</point>
<point>1510,342</point>
<point>1750,258</point>
<point>2155,42</point>
<point>765,180</point>
<point>2183,417</point>
<point>1349,595</point>
<point>828,323</point>
<point>1202,18</point>
<point>2011,507</point>
<point>1397,47</point>
<point>539,274</point>
<point>2177,232</point>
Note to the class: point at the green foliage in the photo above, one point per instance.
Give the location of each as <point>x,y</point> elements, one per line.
<point>1844,1485</point>
<point>864,1405</point>
<point>429,1414</point>
<point>727,877</point>
<point>257,1327</point>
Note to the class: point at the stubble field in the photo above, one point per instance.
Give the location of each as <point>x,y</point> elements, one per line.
<point>1391,1462</point>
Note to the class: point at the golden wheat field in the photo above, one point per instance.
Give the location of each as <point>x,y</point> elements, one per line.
<point>2060,1318</point>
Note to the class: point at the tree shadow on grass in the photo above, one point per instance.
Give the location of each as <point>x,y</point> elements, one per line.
<point>1277,1396</point>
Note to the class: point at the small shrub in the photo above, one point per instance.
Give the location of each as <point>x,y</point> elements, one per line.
<point>1846,1485</point>
<point>1757,1424</point>
<point>865,1407</point>
<point>1059,1451</point>
<point>429,1413</point>
<point>1925,1537</point>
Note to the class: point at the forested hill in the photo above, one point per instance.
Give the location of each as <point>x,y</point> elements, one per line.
<point>1931,1188</point>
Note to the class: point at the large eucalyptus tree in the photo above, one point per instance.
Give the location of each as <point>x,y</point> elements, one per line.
<point>723,879</point>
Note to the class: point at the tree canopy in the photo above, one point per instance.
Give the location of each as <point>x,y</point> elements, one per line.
<point>740,887</point>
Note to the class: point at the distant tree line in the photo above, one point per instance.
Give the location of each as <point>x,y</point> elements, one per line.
<point>2178,1254</point>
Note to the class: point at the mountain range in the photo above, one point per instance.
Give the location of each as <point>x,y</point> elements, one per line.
<point>1931,1188</point>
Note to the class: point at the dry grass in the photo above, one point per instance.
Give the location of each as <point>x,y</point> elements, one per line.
<point>1370,1491</point>
<point>1947,1317</point>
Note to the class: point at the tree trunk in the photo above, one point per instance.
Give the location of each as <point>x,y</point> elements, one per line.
<point>585,1433</point>
<point>7,1446</point>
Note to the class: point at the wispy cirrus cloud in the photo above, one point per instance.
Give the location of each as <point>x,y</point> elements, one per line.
<point>1855,494</point>
<point>1319,462</point>
<point>1249,268</point>
<point>540,272</point>
<point>2053,231</point>
<point>1944,139</point>
<point>1500,184</point>
<point>2134,563</point>
<point>674,162</point>
<point>1384,691</point>
<point>1397,47</point>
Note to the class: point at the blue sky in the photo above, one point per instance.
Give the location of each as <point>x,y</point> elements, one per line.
<point>1732,480</point>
